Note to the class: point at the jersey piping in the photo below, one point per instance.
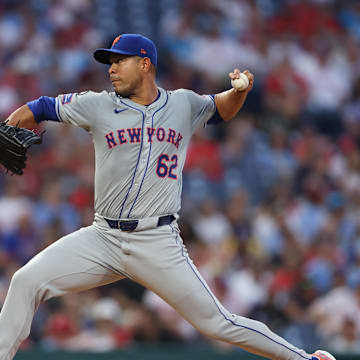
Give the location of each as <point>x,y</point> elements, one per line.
<point>138,159</point>
<point>148,159</point>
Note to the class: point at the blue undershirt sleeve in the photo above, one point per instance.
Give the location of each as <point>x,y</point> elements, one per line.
<point>216,118</point>
<point>43,108</point>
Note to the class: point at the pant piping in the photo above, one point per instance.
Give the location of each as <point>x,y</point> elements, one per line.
<point>226,318</point>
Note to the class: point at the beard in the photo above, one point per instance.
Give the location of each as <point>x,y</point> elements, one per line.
<point>125,93</point>
<point>128,90</point>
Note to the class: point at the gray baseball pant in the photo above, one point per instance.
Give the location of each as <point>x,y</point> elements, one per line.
<point>154,257</point>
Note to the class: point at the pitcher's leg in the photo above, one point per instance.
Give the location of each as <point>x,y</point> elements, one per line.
<point>201,308</point>
<point>164,267</point>
<point>70,264</point>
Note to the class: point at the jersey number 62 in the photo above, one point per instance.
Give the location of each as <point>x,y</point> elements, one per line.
<point>167,166</point>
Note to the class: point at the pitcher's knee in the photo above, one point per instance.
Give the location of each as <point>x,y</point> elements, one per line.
<point>231,328</point>
<point>37,285</point>
<point>22,280</point>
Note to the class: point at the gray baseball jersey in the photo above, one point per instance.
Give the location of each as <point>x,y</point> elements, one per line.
<point>140,150</point>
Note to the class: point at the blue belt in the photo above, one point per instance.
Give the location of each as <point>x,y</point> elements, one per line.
<point>130,225</point>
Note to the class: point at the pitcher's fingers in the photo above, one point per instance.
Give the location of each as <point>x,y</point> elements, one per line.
<point>233,76</point>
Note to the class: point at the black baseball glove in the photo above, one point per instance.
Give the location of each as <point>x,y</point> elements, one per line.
<point>14,144</point>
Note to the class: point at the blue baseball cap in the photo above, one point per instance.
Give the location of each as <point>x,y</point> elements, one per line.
<point>128,44</point>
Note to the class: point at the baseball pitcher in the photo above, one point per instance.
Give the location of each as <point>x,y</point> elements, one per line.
<point>141,133</point>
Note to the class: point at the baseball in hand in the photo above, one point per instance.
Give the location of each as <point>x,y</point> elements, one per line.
<point>241,83</point>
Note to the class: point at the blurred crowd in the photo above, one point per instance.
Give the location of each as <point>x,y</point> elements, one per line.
<point>271,200</point>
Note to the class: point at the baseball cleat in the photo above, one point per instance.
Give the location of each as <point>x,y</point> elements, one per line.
<point>322,355</point>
